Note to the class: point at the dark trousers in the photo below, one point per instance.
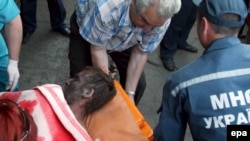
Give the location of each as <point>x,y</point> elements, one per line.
<point>242,28</point>
<point>79,57</point>
<point>178,31</point>
<point>28,14</point>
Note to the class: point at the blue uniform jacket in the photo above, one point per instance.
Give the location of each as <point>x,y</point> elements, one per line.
<point>208,94</point>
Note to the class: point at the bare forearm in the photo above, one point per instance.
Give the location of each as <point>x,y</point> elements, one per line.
<point>136,66</point>
<point>13,33</point>
<point>99,57</point>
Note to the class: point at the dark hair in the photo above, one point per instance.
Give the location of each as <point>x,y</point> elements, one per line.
<point>90,78</point>
<point>16,123</point>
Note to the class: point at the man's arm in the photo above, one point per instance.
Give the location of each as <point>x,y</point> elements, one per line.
<point>13,35</point>
<point>99,57</point>
<point>135,68</point>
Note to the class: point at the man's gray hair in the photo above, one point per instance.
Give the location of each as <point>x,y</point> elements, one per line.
<point>167,8</point>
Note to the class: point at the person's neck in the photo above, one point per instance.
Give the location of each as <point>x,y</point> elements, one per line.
<point>79,113</point>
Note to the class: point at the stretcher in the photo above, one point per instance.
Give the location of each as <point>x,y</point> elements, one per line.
<point>118,120</point>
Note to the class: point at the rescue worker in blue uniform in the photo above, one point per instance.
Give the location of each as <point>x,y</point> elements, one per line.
<point>212,91</point>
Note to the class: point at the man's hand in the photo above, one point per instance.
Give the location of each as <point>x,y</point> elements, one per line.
<point>13,74</point>
<point>131,95</point>
<point>132,98</point>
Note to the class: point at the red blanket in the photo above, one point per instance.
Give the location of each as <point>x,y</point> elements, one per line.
<point>52,115</point>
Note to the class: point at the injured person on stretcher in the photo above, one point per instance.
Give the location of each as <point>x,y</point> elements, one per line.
<point>84,110</point>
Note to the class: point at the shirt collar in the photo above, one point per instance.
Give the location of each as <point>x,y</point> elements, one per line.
<point>223,43</point>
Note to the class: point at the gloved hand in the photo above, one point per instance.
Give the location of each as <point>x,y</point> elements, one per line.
<point>13,74</point>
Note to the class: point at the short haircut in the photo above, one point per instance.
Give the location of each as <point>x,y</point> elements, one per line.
<point>90,78</point>
<point>167,8</point>
<point>228,31</point>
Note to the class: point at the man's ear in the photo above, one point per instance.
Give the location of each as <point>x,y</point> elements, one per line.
<point>205,25</point>
<point>87,92</point>
<point>67,82</point>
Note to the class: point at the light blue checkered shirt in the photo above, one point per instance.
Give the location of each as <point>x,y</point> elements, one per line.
<point>107,23</point>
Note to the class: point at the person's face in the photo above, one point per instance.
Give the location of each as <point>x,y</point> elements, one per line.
<point>148,19</point>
